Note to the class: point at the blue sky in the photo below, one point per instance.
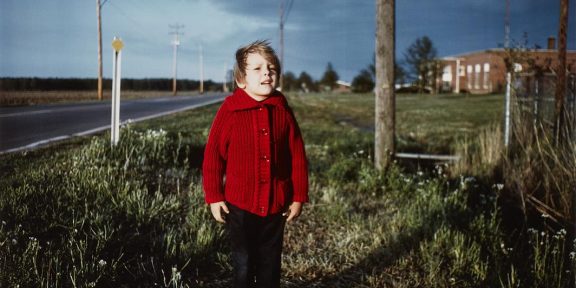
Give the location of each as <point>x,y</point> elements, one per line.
<point>58,38</point>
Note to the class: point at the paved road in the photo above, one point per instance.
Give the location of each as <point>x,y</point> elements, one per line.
<point>28,127</point>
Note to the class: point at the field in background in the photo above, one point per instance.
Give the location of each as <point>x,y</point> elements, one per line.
<point>88,215</point>
<point>19,98</point>
<point>425,123</point>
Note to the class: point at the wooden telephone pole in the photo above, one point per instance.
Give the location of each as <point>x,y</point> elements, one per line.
<point>385,108</point>
<point>176,43</point>
<point>559,111</point>
<point>98,15</point>
<point>284,12</point>
<point>281,79</point>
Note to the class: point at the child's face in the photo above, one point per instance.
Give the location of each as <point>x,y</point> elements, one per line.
<point>261,77</point>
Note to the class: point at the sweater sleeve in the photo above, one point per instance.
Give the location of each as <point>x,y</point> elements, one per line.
<point>299,162</point>
<point>214,164</point>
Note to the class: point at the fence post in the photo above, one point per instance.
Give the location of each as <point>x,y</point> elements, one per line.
<point>507,111</point>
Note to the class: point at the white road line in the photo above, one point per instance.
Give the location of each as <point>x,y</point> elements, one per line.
<point>26,113</point>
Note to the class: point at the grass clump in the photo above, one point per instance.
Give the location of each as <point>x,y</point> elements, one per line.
<point>98,216</point>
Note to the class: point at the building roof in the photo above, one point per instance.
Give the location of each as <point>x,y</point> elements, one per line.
<point>499,50</point>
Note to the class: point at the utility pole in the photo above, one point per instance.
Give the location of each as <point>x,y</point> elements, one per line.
<point>385,107</point>
<point>225,82</point>
<point>284,12</point>
<point>559,113</point>
<point>281,80</point>
<point>507,26</point>
<point>98,15</point>
<point>201,70</point>
<point>176,43</point>
<point>560,130</point>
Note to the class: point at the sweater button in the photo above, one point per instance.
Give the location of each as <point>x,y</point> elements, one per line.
<point>262,210</point>
<point>264,131</point>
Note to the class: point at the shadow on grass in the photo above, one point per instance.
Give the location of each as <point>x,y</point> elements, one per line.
<point>376,265</point>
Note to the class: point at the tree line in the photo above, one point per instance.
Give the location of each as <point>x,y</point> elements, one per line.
<point>419,68</point>
<point>419,58</point>
<point>83,84</point>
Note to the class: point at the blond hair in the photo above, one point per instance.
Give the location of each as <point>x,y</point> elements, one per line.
<point>261,47</point>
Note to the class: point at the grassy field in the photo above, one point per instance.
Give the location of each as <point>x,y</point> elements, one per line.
<point>19,98</point>
<point>81,214</point>
<point>424,123</point>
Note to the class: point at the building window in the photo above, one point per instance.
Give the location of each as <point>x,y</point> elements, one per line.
<point>486,76</point>
<point>447,78</point>
<point>477,70</point>
<point>469,76</point>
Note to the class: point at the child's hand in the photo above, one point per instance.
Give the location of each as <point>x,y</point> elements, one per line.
<point>217,208</point>
<point>294,210</point>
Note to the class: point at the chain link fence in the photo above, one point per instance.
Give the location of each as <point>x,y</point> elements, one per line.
<point>535,100</point>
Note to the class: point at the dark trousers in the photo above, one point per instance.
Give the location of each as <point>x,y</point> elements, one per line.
<point>256,244</point>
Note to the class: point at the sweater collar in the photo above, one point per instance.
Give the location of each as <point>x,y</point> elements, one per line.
<point>240,100</point>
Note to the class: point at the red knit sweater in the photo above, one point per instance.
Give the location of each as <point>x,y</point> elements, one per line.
<point>254,157</point>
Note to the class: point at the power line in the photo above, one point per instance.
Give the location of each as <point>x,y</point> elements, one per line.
<point>137,25</point>
<point>290,3</point>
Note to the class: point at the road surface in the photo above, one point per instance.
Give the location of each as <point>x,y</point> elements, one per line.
<point>28,127</point>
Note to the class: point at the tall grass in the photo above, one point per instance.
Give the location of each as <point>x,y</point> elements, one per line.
<point>482,154</point>
<point>538,180</point>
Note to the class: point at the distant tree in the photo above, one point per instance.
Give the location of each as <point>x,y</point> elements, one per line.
<point>306,82</point>
<point>290,82</point>
<point>400,75</point>
<point>330,77</point>
<point>363,82</point>
<point>420,57</point>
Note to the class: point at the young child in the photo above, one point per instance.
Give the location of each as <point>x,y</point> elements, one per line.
<point>255,173</point>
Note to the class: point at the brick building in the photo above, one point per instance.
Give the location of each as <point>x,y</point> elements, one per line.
<point>484,72</point>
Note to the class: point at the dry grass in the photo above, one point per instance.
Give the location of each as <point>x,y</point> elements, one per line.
<point>482,154</point>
